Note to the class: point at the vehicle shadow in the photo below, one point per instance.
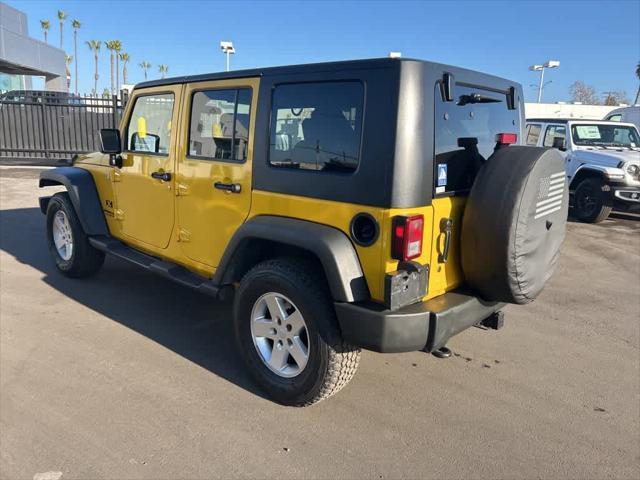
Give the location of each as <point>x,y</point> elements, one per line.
<point>192,325</point>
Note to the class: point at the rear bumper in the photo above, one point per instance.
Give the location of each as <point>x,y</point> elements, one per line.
<point>421,326</point>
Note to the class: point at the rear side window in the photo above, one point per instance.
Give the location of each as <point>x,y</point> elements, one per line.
<point>219,128</point>
<point>533,134</point>
<point>554,131</point>
<point>317,126</point>
<point>615,118</point>
<point>465,135</point>
<point>149,128</point>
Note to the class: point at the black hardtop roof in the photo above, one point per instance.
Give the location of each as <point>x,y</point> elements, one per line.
<point>301,68</point>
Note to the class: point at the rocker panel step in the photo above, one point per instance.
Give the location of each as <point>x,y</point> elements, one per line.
<point>163,268</point>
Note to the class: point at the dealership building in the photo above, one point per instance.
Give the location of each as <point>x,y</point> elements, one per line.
<point>22,56</point>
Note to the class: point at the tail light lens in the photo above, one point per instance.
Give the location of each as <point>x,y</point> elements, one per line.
<point>507,138</point>
<point>406,243</point>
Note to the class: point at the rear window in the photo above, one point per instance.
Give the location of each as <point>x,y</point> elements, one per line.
<point>465,135</point>
<point>533,134</point>
<point>317,126</point>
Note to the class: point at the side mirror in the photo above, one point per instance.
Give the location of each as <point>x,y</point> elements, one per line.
<point>558,142</point>
<point>110,143</point>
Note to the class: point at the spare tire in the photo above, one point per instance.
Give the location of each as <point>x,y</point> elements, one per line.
<point>514,223</point>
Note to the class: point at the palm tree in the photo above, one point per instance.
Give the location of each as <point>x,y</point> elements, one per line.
<point>124,57</point>
<point>111,46</point>
<point>76,26</point>
<point>94,46</point>
<point>163,69</point>
<point>144,65</point>
<point>117,46</point>
<point>45,29</point>
<point>62,16</point>
<point>68,60</point>
<point>637,75</point>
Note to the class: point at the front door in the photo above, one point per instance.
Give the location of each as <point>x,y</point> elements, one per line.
<point>145,184</point>
<point>214,168</point>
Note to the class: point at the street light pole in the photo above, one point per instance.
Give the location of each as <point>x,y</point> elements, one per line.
<point>541,68</point>
<point>227,48</point>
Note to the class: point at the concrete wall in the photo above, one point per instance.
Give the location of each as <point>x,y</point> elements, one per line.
<point>566,110</point>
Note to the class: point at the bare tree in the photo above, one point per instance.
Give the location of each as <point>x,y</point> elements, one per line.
<point>637,75</point>
<point>581,92</point>
<point>615,98</point>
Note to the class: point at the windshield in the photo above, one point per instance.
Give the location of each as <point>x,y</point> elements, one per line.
<point>605,135</point>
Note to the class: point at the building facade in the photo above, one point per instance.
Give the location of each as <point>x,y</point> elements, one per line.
<point>22,56</point>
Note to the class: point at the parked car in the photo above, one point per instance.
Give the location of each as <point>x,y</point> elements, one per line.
<point>328,202</point>
<point>625,115</point>
<point>41,96</point>
<point>602,162</point>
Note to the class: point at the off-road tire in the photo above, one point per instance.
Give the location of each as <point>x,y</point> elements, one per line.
<point>85,260</point>
<point>590,202</point>
<point>332,362</point>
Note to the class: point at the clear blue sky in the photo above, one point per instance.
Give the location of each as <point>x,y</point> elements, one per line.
<point>596,41</point>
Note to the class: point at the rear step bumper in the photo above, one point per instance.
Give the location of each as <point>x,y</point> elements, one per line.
<point>421,326</point>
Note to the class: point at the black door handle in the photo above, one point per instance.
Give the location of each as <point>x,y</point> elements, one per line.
<point>228,187</point>
<point>164,176</point>
<point>446,225</point>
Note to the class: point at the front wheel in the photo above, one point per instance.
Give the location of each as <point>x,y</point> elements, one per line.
<point>68,244</point>
<point>591,202</point>
<point>288,334</point>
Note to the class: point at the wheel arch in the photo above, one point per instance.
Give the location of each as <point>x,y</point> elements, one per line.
<point>267,236</point>
<point>586,172</point>
<point>83,194</point>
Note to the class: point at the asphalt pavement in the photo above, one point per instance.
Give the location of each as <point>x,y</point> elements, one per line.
<point>128,375</point>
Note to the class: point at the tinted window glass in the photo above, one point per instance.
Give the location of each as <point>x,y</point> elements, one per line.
<point>149,128</point>
<point>533,134</point>
<point>317,126</point>
<point>465,134</point>
<point>554,131</point>
<point>220,124</point>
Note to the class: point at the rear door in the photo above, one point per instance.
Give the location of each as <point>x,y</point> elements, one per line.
<point>465,136</point>
<point>214,166</point>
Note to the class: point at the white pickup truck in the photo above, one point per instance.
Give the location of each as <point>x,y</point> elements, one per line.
<point>602,162</point>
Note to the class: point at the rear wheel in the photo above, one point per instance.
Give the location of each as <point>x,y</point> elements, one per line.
<point>591,201</point>
<point>288,333</point>
<point>68,244</point>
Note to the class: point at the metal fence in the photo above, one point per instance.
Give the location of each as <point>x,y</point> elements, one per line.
<point>44,128</point>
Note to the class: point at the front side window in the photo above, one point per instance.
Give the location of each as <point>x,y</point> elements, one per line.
<point>219,128</point>
<point>149,128</point>
<point>601,135</point>
<point>553,132</point>
<point>317,126</point>
<point>533,134</point>
<point>465,134</point>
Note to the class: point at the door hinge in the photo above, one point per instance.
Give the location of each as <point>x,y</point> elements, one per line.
<point>119,214</point>
<point>184,235</point>
<point>182,189</point>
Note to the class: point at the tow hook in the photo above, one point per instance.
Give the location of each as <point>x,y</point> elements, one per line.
<point>442,352</point>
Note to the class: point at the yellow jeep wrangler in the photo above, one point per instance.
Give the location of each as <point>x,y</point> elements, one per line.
<point>380,204</point>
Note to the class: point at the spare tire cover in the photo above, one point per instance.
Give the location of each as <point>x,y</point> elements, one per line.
<point>514,223</point>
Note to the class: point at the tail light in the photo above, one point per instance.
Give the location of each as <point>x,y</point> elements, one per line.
<point>406,243</point>
<point>507,138</point>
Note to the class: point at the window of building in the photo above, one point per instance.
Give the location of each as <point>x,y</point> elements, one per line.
<point>317,126</point>
<point>465,135</point>
<point>554,131</point>
<point>533,134</point>
<point>149,128</point>
<point>220,124</point>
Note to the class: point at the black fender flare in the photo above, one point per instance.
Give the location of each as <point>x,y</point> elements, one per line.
<point>331,246</point>
<point>83,194</point>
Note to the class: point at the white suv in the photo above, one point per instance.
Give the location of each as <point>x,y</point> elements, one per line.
<point>602,162</point>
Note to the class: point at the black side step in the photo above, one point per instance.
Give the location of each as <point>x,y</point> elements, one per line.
<point>166,269</point>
